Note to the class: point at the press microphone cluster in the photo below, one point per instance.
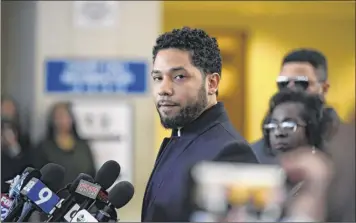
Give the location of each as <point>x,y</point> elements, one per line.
<point>23,198</point>
<point>118,197</point>
<point>84,200</point>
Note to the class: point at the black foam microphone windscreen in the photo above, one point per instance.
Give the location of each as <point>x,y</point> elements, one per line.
<point>107,174</point>
<point>52,175</point>
<point>121,194</point>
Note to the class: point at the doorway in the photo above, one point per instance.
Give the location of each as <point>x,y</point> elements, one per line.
<point>232,90</point>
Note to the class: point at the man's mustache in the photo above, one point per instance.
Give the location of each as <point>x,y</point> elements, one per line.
<point>166,103</point>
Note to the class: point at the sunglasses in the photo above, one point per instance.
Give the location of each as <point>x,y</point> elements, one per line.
<point>286,126</point>
<point>301,82</point>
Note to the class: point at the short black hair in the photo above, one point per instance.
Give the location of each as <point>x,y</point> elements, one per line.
<point>204,49</point>
<point>314,57</point>
<point>314,115</point>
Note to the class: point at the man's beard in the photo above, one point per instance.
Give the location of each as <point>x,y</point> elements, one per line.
<point>188,113</point>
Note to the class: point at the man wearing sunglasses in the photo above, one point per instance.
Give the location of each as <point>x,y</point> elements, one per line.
<point>302,70</point>
<point>306,70</point>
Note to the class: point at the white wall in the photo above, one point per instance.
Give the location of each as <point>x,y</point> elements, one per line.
<point>38,30</point>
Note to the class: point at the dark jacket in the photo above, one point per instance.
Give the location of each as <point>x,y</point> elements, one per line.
<point>78,160</point>
<point>203,139</point>
<point>261,151</point>
<point>13,166</point>
<point>341,200</point>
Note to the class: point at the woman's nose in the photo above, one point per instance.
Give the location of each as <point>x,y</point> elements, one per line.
<point>280,133</point>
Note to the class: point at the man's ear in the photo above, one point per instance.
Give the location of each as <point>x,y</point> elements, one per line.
<point>213,83</point>
<point>325,87</point>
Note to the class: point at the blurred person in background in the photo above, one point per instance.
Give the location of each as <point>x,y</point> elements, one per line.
<point>303,70</point>
<point>15,144</point>
<point>341,204</point>
<point>186,75</point>
<point>63,145</point>
<point>9,111</point>
<point>14,156</point>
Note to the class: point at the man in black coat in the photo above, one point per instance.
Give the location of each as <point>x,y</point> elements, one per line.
<point>305,70</point>
<point>186,75</point>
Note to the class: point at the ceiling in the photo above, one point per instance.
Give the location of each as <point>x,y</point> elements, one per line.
<point>332,9</point>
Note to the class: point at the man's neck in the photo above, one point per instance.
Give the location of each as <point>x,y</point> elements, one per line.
<point>209,105</point>
<point>211,102</point>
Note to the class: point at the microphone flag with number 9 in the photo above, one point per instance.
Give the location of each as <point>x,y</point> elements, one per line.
<point>41,195</point>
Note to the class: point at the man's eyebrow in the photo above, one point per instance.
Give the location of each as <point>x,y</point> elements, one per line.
<point>155,72</point>
<point>177,69</point>
<point>173,69</point>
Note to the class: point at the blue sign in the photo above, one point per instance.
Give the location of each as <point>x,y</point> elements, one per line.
<point>96,76</point>
<point>41,195</point>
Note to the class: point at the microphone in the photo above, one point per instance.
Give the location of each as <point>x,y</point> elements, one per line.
<point>39,193</point>
<point>83,216</point>
<point>53,175</point>
<point>89,190</point>
<point>6,203</point>
<point>107,174</point>
<point>119,196</point>
<point>67,207</point>
<point>14,192</point>
<point>12,183</point>
<point>19,182</point>
<point>105,178</point>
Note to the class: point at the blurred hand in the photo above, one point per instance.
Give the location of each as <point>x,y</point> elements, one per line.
<point>314,168</point>
<point>316,171</point>
<point>9,137</point>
